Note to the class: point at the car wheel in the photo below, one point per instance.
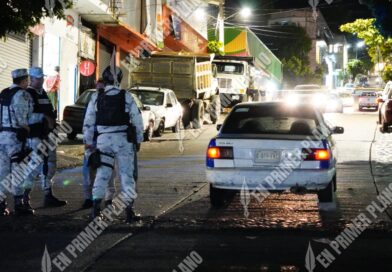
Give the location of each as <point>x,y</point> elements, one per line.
<point>326,195</point>
<point>215,108</point>
<point>150,131</point>
<point>72,135</point>
<point>217,196</point>
<point>177,127</point>
<point>161,129</point>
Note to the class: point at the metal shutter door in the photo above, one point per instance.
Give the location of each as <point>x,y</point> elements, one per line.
<point>15,53</point>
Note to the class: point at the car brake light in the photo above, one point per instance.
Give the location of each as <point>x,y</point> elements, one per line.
<point>316,154</point>
<point>223,153</point>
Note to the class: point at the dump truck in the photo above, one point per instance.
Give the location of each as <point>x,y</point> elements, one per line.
<point>248,71</point>
<point>192,79</point>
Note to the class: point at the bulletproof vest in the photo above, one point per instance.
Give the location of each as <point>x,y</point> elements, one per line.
<point>111,109</point>
<point>41,101</point>
<point>5,102</point>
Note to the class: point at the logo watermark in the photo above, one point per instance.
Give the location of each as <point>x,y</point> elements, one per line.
<point>190,263</point>
<point>358,225</point>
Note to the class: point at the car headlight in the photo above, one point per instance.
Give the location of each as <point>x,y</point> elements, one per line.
<point>292,100</point>
<point>318,100</point>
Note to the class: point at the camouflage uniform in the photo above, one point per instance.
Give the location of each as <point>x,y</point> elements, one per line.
<point>16,117</point>
<point>112,140</point>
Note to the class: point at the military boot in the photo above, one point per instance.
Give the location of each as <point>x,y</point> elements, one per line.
<point>96,212</point>
<point>87,204</point>
<point>131,216</point>
<point>51,201</point>
<point>20,208</point>
<point>26,199</point>
<point>3,209</point>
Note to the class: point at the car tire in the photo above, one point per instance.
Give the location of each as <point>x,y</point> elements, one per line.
<point>215,108</point>
<point>150,132</point>
<point>161,129</point>
<point>326,195</point>
<point>72,135</point>
<point>197,114</point>
<point>177,126</point>
<point>217,197</point>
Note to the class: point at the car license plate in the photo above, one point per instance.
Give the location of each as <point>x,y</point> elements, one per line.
<point>267,156</point>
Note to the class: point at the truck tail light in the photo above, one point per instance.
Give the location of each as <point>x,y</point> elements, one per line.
<point>316,154</point>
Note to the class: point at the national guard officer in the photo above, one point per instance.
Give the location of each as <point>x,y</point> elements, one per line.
<point>41,122</point>
<point>114,113</point>
<point>16,107</point>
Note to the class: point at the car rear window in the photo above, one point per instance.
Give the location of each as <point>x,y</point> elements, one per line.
<point>84,98</point>
<point>271,120</point>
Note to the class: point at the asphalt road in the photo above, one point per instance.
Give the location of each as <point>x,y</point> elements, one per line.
<point>277,234</point>
<point>179,224</point>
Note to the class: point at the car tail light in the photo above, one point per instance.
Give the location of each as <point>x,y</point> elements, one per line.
<point>66,113</point>
<point>316,154</point>
<point>222,153</point>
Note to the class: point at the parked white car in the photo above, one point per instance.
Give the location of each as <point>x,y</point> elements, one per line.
<point>164,104</point>
<point>148,118</point>
<point>272,146</point>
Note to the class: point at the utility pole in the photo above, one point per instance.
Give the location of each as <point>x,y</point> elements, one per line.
<point>221,24</point>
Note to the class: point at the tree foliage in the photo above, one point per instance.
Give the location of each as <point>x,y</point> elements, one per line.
<point>382,11</point>
<point>215,47</point>
<point>18,15</point>
<point>387,73</point>
<point>379,47</point>
<point>355,67</point>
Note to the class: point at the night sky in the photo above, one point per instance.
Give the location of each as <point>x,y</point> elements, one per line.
<point>337,13</point>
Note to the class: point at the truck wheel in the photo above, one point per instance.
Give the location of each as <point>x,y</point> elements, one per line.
<point>384,126</point>
<point>72,135</point>
<point>197,114</point>
<point>186,117</point>
<point>326,195</point>
<point>215,108</point>
<point>217,197</point>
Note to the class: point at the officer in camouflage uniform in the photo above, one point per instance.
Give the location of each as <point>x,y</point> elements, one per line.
<point>113,111</point>
<point>16,107</point>
<point>41,122</point>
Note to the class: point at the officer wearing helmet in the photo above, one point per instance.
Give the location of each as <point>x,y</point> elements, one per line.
<point>112,112</point>
<point>16,107</point>
<point>41,122</point>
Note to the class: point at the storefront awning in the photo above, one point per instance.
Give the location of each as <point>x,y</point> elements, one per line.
<point>126,38</point>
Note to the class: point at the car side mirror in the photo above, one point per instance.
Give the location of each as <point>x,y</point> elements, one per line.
<point>338,130</point>
<point>218,127</point>
<point>146,108</point>
<point>169,105</point>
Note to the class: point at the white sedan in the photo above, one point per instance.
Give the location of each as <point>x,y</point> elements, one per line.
<point>164,104</point>
<point>272,146</point>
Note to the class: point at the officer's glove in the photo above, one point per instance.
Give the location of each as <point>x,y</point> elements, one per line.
<point>138,147</point>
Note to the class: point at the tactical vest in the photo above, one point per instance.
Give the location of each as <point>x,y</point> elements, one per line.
<point>5,105</point>
<point>111,109</point>
<point>41,102</point>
